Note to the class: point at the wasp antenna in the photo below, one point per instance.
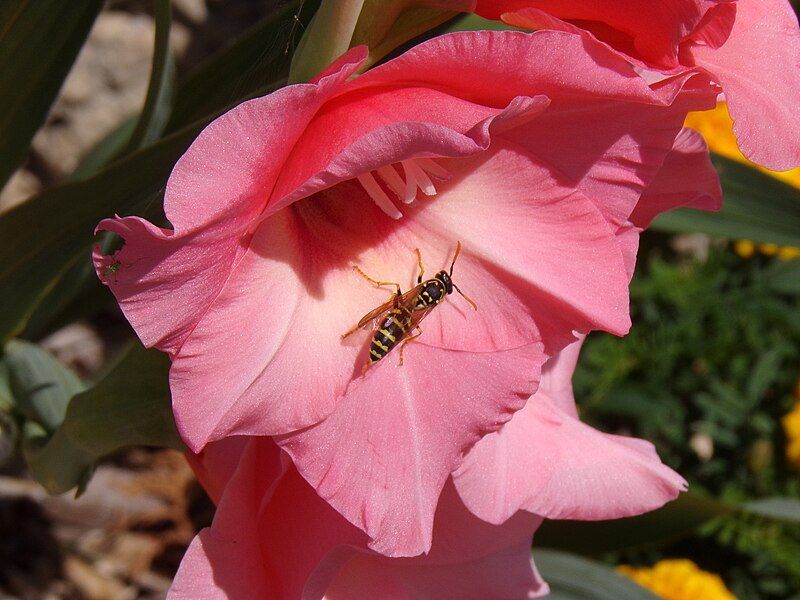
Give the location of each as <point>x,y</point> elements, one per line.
<point>467,298</point>
<point>455,256</point>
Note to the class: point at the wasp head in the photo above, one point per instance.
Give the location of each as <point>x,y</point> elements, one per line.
<point>444,277</point>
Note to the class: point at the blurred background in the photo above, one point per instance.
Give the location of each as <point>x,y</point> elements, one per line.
<point>710,372</point>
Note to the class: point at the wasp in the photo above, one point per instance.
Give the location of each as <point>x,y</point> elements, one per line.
<point>403,312</point>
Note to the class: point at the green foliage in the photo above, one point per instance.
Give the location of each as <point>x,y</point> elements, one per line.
<point>573,578</point>
<point>675,520</point>
<point>706,373</point>
<point>130,406</point>
<point>757,207</point>
<point>67,426</point>
<point>64,217</point>
<point>39,386</point>
<point>40,40</point>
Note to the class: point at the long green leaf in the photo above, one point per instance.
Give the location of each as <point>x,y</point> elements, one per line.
<point>755,207</point>
<point>130,406</point>
<point>251,65</point>
<point>105,150</point>
<point>574,578</point>
<point>6,397</point>
<point>39,239</point>
<point>40,40</point>
<point>673,521</point>
<point>64,217</point>
<point>473,22</point>
<point>781,509</point>
<point>160,91</point>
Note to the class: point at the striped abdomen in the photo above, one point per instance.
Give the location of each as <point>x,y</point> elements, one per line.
<point>393,329</point>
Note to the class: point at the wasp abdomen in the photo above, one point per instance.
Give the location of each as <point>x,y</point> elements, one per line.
<point>393,329</point>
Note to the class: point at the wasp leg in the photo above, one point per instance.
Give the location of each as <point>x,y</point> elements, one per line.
<point>351,332</point>
<point>366,366</point>
<point>406,341</point>
<point>419,262</point>
<point>375,281</point>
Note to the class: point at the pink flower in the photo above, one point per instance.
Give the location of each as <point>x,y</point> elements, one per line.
<point>533,150</point>
<point>274,537</point>
<point>545,461</point>
<point>751,48</point>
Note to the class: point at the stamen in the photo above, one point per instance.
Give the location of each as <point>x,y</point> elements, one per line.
<point>378,195</point>
<point>423,181</point>
<point>415,176</point>
<point>392,180</point>
<point>434,168</point>
<point>411,182</point>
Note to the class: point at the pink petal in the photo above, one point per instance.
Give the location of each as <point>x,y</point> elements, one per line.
<point>687,178</point>
<point>649,31</point>
<point>549,463</point>
<point>283,366</point>
<point>216,464</point>
<point>166,279</point>
<point>217,568</point>
<point>382,458</point>
<point>273,537</point>
<point>629,138</point>
<point>224,561</point>
<point>505,208</point>
<point>626,146</point>
<point>470,559</point>
<point>758,68</point>
<point>253,379</point>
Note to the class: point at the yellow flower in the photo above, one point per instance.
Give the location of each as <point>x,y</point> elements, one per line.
<point>716,127</point>
<point>679,579</point>
<point>788,253</point>
<point>768,249</point>
<point>791,427</point>
<point>744,248</point>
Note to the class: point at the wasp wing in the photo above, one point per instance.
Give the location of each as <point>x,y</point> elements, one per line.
<point>418,315</point>
<point>402,300</point>
<point>368,318</point>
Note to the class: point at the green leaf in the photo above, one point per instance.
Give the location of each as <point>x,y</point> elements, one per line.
<point>63,218</point>
<point>674,520</point>
<point>783,277</point>
<point>105,150</point>
<point>158,101</point>
<point>130,406</point>
<point>574,578</point>
<point>473,22</point>
<point>39,240</point>
<point>6,397</point>
<point>40,40</point>
<point>327,37</point>
<point>765,373</point>
<point>755,207</point>
<point>9,434</point>
<point>254,63</point>
<point>781,509</point>
<point>41,387</point>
